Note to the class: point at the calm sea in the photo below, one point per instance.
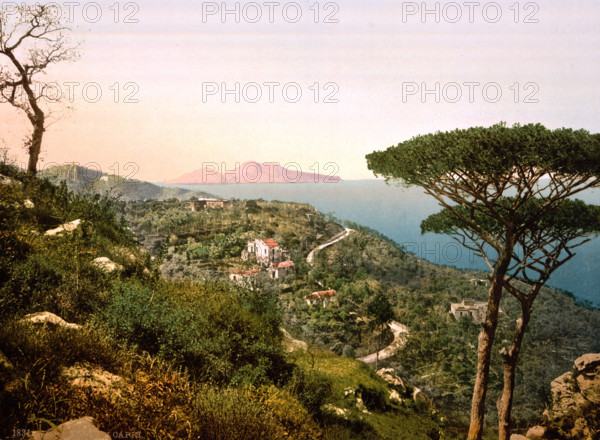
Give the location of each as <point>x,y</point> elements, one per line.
<point>397,213</point>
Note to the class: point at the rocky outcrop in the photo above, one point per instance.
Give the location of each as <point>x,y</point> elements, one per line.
<point>80,429</point>
<point>106,264</point>
<point>575,409</point>
<point>92,377</point>
<point>393,380</point>
<point>574,412</point>
<point>49,318</point>
<point>67,227</point>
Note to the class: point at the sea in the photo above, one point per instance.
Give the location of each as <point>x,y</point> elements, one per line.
<point>397,212</point>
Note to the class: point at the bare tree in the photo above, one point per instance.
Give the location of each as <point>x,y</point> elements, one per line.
<point>32,38</point>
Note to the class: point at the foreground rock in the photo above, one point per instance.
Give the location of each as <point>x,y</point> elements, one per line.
<point>67,227</point>
<point>93,377</point>
<point>575,409</point>
<point>106,264</point>
<point>5,180</point>
<point>80,429</point>
<point>49,318</point>
<point>392,379</point>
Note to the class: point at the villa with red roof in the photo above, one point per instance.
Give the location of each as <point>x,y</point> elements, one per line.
<point>266,251</point>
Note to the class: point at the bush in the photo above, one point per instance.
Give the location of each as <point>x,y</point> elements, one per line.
<point>201,327</point>
<point>231,414</point>
<point>311,388</point>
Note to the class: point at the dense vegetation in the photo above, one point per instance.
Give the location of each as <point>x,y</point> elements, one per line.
<point>177,359</point>
<point>439,356</point>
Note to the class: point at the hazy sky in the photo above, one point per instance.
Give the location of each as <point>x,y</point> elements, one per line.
<point>372,59</point>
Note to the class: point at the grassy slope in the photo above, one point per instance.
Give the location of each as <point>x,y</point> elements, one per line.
<point>194,359</point>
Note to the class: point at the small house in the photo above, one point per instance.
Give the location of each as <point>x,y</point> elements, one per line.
<point>209,203</point>
<point>475,310</point>
<point>281,271</point>
<point>241,275</point>
<point>324,298</point>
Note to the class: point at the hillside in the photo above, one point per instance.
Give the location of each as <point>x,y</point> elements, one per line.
<point>438,358</point>
<point>91,181</point>
<point>161,359</point>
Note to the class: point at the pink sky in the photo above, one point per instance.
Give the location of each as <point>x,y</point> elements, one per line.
<point>368,58</point>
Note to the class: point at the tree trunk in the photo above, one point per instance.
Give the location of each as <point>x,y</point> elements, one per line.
<point>35,147</point>
<point>510,367</point>
<point>484,350</point>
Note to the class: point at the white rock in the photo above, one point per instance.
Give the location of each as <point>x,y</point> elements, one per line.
<point>67,227</point>
<point>80,429</point>
<point>536,433</point>
<point>28,204</point>
<point>5,180</point>
<point>47,317</point>
<point>106,264</point>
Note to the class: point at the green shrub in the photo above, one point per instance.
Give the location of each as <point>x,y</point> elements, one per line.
<point>201,327</point>
<point>231,414</point>
<point>312,388</point>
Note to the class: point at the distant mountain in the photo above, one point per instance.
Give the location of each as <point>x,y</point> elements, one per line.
<point>90,181</point>
<point>251,172</point>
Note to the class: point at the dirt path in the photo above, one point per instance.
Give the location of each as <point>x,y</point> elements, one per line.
<point>399,331</point>
<point>339,237</point>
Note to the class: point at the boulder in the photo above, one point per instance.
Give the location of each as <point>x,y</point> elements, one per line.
<point>536,433</point>
<point>67,227</point>
<point>588,377</point>
<point>392,379</point>
<point>28,204</point>
<point>95,378</point>
<point>49,318</point>
<point>106,264</point>
<point>80,429</point>
<point>588,363</point>
<point>394,396</point>
<point>5,180</point>
<point>575,405</point>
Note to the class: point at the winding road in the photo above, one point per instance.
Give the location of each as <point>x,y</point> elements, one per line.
<point>399,330</point>
<point>335,239</point>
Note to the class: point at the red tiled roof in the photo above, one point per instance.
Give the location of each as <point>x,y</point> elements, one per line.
<point>270,242</point>
<point>321,294</point>
<point>284,264</point>
<point>245,272</point>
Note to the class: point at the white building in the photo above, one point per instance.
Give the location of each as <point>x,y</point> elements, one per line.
<point>475,310</point>
<point>266,251</point>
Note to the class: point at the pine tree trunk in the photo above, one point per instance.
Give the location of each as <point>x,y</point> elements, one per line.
<point>510,366</point>
<point>484,351</point>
